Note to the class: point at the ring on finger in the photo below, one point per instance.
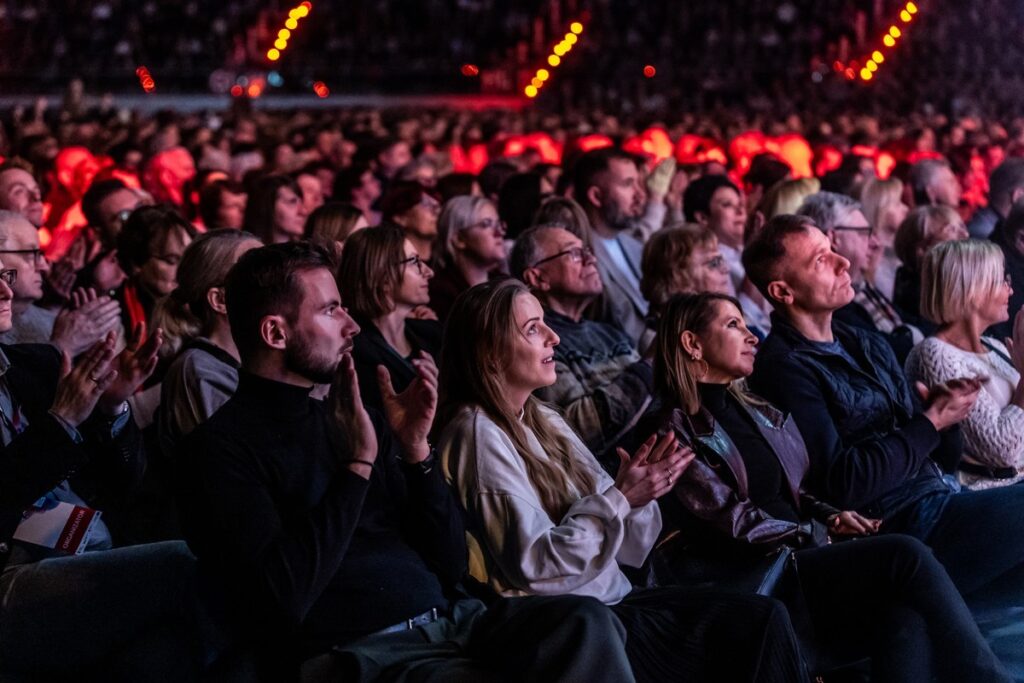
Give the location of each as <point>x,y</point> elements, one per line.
<point>94,378</point>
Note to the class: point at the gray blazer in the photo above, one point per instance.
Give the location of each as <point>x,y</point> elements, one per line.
<point>623,305</point>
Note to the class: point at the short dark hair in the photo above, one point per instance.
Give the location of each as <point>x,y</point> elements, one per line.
<point>259,208</point>
<point>94,196</point>
<point>263,283</point>
<point>401,196</point>
<point>348,179</point>
<point>698,194</point>
<point>454,184</point>
<point>210,199</point>
<point>766,169</point>
<point>494,175</point>
<point>518,201</point>
<point>371,272</point>
<point>592,164</point>
<point>144,225</point>
<point>761,258</point>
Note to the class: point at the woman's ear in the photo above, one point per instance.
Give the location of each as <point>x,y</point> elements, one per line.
<point>216,300</point>
<point>691,345</point>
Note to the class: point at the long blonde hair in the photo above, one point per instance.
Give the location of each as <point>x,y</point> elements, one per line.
<point>475,355</point>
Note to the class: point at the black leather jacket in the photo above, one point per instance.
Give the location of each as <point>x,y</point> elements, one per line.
<point>714,490</point>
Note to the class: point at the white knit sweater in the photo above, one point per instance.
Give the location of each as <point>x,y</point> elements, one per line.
<point>514,546</point>
<point>994,429</point>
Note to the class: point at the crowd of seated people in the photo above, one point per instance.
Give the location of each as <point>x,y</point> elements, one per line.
<point>618,418</point>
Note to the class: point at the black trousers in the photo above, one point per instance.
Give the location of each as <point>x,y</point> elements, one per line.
<point>547,639</point>
<point>887,597</point>
<point>680,634</point>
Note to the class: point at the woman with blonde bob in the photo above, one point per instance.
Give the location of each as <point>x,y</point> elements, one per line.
<point>964,290</point>
<point>884,597</point>
<point>545,519</point>
<point>882,201</point>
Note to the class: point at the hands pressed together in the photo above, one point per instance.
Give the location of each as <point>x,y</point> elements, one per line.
<point>948,403</point>
<point>102,380</point>
<point>653,470</point>
<point>88,319</point>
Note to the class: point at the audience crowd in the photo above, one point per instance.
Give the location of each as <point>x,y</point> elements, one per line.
<point>406,396</point>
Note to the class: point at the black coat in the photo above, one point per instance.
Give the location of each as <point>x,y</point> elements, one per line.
<point>100,469</point>
<point>870,447</point>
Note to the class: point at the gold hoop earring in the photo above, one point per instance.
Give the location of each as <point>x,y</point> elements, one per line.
<point>701,373</point>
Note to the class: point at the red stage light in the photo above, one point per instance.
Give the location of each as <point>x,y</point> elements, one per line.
<point>236,90</point>
<point>649,71</point>
<point>470,70</point>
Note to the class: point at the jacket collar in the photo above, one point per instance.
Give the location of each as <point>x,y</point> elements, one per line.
<point>776,428</point>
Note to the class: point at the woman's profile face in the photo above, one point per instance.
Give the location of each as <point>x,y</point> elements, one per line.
<point>484,239</point>
<point>413,288</point>
<point>727,345</point>
<point>532,362</point>
<point>289,213</point>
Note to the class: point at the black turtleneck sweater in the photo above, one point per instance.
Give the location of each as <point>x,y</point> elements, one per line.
<point>765,477</point>
<point>299,545</point>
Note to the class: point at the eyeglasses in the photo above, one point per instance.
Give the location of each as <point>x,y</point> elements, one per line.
<point>416,261</point>
<point>576,255</point>
<point>716,263</point>
<point>9,276</point>
<point>489,224</point>
<point>36,254</point>
<point>870,229</point>
<point>430,204</point>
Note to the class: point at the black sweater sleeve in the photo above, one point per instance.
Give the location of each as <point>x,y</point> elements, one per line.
<point>849,475</point>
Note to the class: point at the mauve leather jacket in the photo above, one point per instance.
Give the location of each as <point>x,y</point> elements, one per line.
<point>714,489</point>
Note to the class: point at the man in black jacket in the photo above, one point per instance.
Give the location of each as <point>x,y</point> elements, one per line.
<point>329,530</point>
<point>872,447</point>
<point>70,603</point>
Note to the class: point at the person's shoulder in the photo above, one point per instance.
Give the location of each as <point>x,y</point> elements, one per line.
<point>41,359</point>
<point>427,331</point>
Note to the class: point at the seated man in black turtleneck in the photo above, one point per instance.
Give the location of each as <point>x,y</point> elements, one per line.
<point>330,530</point>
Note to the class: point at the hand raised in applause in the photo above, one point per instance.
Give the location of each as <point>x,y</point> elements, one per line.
<point>411,413</point>
<point>653,470</point>
<point>80,387</point>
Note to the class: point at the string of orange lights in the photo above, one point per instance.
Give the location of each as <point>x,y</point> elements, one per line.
<point>560,50</point>
<point>295,15</point>
<point>889,40</point>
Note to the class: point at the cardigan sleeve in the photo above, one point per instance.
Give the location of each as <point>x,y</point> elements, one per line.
<point>993,434</point>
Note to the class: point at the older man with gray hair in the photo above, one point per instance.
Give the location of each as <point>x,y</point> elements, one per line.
<point>843,222</point>
<point>602,386</point>
<point>72,330</point>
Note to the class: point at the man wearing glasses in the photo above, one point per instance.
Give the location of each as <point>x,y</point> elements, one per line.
<point>852,237</point>
<point>603,386</point>
<point>72,331</point>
